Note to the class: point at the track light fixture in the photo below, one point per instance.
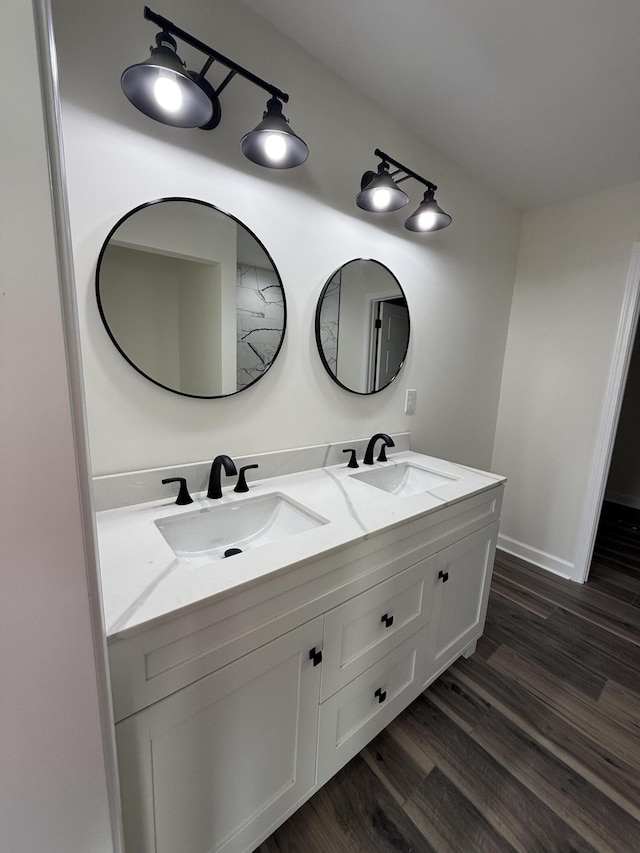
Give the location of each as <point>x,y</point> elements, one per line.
<point>380,193</point>
<point>162,88</point>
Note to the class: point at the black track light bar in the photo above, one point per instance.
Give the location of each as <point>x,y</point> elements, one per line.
<point>408,173</point>
<point>169,27</point>
<point>380,193</point>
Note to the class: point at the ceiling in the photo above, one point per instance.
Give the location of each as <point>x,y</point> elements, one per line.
<point>539,99</point>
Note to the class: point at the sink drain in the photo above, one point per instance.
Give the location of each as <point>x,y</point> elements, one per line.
<point>231,551</point>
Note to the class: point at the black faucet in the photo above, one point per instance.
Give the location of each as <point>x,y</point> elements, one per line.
<point>387,441</point>
<point>215,489</point>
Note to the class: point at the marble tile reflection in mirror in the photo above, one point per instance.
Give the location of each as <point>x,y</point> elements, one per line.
<point>362,326</point>
<point>191,298</point>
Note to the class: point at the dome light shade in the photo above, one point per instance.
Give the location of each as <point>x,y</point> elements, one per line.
<point>379,192</point>
<point>429,216</point>
<point>273,143</point>
<point>161,88</point>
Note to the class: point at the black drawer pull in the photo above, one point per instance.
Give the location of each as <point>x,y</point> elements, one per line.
<point>381,694</point>
<point>388,620</point>
<point>443,575</point>
<point>315,656</point>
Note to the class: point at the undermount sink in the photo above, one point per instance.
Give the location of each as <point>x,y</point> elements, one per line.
<point>403,479</point>
<point>208,534</point>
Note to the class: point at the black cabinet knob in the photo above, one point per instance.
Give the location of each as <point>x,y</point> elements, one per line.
<point>443,575</point>
<point>387,620</point>
<point>381,695</point>
<point>315,656</point>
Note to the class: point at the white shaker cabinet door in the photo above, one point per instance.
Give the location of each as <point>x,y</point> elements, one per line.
<point>215,765</point>
<point>461,593</point>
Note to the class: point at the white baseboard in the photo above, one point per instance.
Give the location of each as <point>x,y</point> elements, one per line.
<point>620,498</point>
<point>539,558</point>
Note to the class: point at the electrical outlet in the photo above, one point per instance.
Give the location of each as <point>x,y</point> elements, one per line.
<point>410,401</point>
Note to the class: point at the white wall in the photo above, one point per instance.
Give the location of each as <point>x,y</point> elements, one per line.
<point>572,272</point>
<point>53,794</point>
<point>458,282</point>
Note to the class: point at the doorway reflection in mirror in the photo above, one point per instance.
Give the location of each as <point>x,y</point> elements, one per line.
<point>362,326</point>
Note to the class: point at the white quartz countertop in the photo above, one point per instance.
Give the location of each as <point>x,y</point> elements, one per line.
<point>143,580</point>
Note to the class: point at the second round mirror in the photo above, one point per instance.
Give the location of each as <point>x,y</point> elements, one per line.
<point>362,326</point>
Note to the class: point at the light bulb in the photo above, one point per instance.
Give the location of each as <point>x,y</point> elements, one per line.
<point>381,199</point>
<point>275,147</point>
<point>167,92</point>
<point>426,220</point>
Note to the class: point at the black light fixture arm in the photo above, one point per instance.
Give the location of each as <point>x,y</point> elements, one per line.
<point>214,55</point>
<point>408,173</point>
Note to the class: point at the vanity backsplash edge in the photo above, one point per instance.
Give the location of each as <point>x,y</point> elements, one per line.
<point>133,487</point>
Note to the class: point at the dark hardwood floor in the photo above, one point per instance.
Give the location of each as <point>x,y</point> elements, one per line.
<point>617,545</point>
<point>532,744</point>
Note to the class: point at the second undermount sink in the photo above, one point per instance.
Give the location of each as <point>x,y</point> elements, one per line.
<point>404,479</point>
<point>207,534</point>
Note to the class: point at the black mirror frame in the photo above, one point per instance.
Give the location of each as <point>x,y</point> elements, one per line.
<point>317,325</point>
<point>238,222</point>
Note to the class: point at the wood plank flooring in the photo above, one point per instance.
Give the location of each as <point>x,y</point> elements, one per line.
<point>617,549</point>
<point>532,744</point>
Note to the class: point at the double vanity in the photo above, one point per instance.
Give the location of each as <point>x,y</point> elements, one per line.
<point>267,616</point>
<point>242,683</point>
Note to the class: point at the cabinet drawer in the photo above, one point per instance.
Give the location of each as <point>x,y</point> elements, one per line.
<point>358,712</point>
<point>364,629</point>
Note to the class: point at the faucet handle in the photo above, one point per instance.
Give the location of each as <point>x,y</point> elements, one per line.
<point>184,497</point>
<point>353,463</point>
<point>241,485</point>
<point>382,456</point>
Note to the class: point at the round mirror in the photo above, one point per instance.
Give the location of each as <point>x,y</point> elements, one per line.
<point>191,298</point>
<point>362,326</point>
